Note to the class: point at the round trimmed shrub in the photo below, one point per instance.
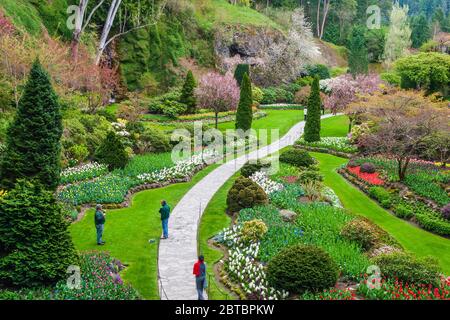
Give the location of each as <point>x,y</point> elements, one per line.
<point>250,168</point>
<point>360,232</point>
<point>367,168</point>
<point>297,157</point>
<point>408,268</point>
<point>253,230</point>
<point>445,211</point>
<point>310,175</point>
<point>302,268</point>
<point>245,194</point>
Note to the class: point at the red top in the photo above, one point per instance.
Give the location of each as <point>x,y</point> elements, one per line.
<point>197,268</point>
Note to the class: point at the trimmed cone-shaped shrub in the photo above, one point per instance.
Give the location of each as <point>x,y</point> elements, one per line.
<point>187,93</point>
<point>241,69</point>
<point>35,245</point>
<point>244,114</point>
<point>112,152</point>
<point>33,148</point>
<point>245,194</point>
<point>297,157</point>
<point>302,268</point>
<point>312,126</point>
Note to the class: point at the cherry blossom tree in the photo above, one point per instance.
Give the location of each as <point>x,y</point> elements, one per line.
<point>217,92</point>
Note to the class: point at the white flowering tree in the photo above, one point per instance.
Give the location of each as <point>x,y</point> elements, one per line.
<point>398,40</point>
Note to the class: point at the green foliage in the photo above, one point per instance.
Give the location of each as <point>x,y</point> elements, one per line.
<point>35,244</point>
<point>302,268</point>
<point>429,71</point>
<point>319,70</point>
<point>296,157</point>
<point>245,194</point>
<point>382,195</point>
<point>244,114</point>
<point>312,126</point>
<point>253,230</point>
<point>187,93</point>
<point>358,58</point>
<point>420,31</point>
<point>33,143</point>
<point>168,104</point>
<point>408,269</point>
<point>309,175</point>
<point>251,167</point>
<point>375,41</point>
<point>257,95</point>
<point>273,95</point>
<point>153,140</point>
<point>392,78</point>
<point>241,70</point>
<point>112,152</point>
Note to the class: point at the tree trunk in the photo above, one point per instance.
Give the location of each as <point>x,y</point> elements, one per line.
<point>318,18</point>
<point>115,4</point>
<point>217,119</point>
<point>402,167</point>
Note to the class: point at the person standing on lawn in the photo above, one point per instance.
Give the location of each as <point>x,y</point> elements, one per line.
<point>165,214</point>
<point>200,276</point>
<point>99,223</point>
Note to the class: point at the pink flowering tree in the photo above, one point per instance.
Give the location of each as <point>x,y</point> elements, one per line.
<point>217,92</point>
<point>6,27</point>
<point>344,90</point>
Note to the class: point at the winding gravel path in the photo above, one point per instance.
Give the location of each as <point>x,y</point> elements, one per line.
<point>178,253</point>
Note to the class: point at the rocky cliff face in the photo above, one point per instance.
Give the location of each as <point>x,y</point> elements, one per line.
<point>245,44</point>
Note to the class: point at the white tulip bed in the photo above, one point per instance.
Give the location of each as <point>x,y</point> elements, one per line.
<point>242,266</point>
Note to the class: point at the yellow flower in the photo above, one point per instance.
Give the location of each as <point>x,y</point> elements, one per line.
<point>3,193</point>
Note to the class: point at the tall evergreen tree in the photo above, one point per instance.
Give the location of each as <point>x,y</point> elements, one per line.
<point>241,69</point>
<point>244,114</point>
<point>358,59</point>
<point>312,126</point>
<point>35,245</point>
<point>420,30</point>
<point>187,93</point>
<point>33,146</point>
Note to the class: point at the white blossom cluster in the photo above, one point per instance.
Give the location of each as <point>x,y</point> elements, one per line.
<point>181,169</point>
<point>332,197</point>
<point>88,170</point>
<point>119,127</point>
<point>243,266</point>
<point>269,186</point>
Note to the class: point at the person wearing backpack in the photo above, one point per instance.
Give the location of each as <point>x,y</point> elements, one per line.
<point>200,276</point>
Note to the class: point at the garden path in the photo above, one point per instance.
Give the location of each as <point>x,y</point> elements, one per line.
<point>177,254</point>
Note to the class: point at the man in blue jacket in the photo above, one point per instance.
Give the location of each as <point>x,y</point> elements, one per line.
<point>164,211</point>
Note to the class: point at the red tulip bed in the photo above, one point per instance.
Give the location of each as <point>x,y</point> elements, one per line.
<point>371,178</point>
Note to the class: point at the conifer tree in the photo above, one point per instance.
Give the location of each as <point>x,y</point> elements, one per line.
<point>112,152</point>
<point>33,148</point>
<point>244,114</point>
<point>187,93</point>
<point>241,69</point>
<point>420,30</point>
<point>35,245</point>
<point>312,126</point>
<point>358,59</point>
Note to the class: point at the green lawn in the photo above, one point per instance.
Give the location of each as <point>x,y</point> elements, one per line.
<point>334,127</point>
<point>412,238</point>
<point>128,230</point>
<point>214,219</point>
<point>282,120</point>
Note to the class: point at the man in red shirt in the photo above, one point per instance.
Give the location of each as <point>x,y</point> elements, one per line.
<point>200,276</point>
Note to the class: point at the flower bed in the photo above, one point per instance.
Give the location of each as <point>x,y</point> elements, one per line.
<point>100,280</point>
<point>268,185</point>
<point>84,172</point>
<point>370,178</point>
<point>339,144</point>
<point>391,289</point>
<point>423,178</point>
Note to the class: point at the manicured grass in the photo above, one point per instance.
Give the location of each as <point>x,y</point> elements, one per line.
<point>412,238</point>
<point>282,120</point>
<point>128,230</point>
<point>215,219</point>
<point>334,127</point>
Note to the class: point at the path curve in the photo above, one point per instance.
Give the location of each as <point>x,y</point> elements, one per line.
<point>178,253</point>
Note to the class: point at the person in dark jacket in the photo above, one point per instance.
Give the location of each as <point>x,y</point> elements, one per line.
<point>200,276</point>
<point>164,211</point>
<point>99,223</point>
